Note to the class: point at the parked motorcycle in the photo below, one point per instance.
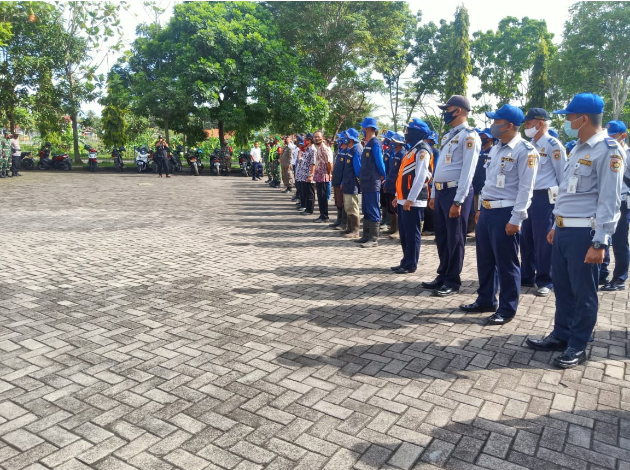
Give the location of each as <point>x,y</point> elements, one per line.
<point>60,161</point>
<point>92,158</point>
<point>142,159</point>
<point>27,161</point>
<point>194,161</point>
<point>215,163</point>
<point>175,161</point>
<point>117,157</point>
<point>245,161</point>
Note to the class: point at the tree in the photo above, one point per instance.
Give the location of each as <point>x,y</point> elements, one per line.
<point>502,58</point>
<point>459,65</point>
<point>539,83</point>
<point>595,53</point>
<point>81,28</point>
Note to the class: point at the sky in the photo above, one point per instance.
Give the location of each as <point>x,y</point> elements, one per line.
<point>484,15</point>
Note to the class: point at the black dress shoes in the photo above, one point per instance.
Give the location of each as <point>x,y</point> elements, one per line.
<point>614,286</point>
<point>570,358</point>
<point>404,271</point>
<point>395,268</point>
<point>498,319</point>
<point>548,343</point>
<point>445,291</point>
<point>432,285</point>
<point>476,308</point>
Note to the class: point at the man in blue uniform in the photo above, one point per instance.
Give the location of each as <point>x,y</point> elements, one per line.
<point>398,148</point>
<point>535,251</point>
<point>618,131</point>
<point>505,197</point>
<point>452,194</point>
<point>350,182</point>
<point>479,177</point>
<point>372,173</point>
<point>428,218</point>
<point>387,147</point>
<point>412,194</point>
<point>586,214</point>
<point>337,175</point>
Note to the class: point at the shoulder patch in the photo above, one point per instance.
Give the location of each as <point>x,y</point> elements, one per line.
<point>528,145</point>
<point>470,143</point>
<point>616,163</point>
<point>610,142</point>
<point>532,159</point>
<point>557,154</point>
<point>423,154</point>
<point>554,142</point>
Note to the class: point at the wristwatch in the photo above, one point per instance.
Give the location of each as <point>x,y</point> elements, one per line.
<point>457,203</point>
<point>598,246</point>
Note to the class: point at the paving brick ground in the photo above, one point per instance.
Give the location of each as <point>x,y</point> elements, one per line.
<point>200,323</point>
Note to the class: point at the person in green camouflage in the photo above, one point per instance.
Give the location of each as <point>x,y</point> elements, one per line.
<point>276,150</point>
<point>5,156</point>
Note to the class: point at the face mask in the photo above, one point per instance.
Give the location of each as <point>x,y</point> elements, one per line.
<point>484,142</point>
<point>449,116</point>
<point>531,132</point>
<point>496,131</point>
<point>363,133</point>
<point>569,131</point>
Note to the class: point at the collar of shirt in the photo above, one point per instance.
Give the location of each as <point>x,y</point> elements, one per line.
<point>595,139</point>
<point>543,138</point>
<point>456,129</point>
<point>512,143</point>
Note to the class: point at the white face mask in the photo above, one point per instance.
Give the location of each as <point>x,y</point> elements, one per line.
<point>531,132</point>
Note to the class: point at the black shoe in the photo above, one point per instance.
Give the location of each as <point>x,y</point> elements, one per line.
<point>548,343</point>
<point>404,271</point>
<point>614,286</point>
<point>570,358</point>
<point>476,308</point>
<point>320,219</point>
<point>395,268</point>
<point>432,285</point>
<point>445,291</point>
<point>306,213</point>
<point>528,284</point>
<point>603,280</point>
<point>498,319</point>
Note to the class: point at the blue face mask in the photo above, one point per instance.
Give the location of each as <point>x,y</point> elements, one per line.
<point>569,131</point>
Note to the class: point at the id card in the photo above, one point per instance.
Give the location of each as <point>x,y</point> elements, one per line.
<point>448,159</point>
<point>500,181</point>
<point>572,187</point>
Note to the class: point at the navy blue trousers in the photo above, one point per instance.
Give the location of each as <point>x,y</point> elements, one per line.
<point>450,236</point>
<point>621,248</point>
<point>410,238</point>
<point>497,261</point>
<point>575,286</point>
<point>535,250</point>
<point>370,205</point>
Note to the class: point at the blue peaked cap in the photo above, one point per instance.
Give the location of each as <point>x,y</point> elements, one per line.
<point>508,112</point>
<point>369,122</point>
<point>584,103</point>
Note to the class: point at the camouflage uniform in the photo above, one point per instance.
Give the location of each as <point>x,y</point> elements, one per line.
<point>275,165</point>
<point>5,158</point>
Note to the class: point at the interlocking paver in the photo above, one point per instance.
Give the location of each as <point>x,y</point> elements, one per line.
<point>138,331</point>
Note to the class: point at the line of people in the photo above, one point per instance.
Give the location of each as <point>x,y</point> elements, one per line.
<point>560,212</point>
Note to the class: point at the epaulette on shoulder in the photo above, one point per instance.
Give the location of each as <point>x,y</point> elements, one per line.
<point>528,145</point>
<point>611,143</point>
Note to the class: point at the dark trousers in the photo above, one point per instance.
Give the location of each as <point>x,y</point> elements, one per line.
<point>257,170</point>
<point>497,261</point>
<point>16,163</point>
<point>450,236</point>
<point>162,164</point>
<point>322,199</point>
<point>299,190</point>
<point>308,193</point>
<point>620,247</point>
<point>338,197</point>
<point>410,238</point>
<point>389,198</point>
<point>535,250</point>
<point>371,207</point>
<point>575,286</point>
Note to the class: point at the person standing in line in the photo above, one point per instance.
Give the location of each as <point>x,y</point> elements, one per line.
<point>452,195</point>
<point>535,251</point>
<point>586,213</point>
<point>350,184</point>
<point>372,174</point>
<point>294,160</point>
<point>322,174</point>
<point>256,157</point>
<point>337,175</point>
<point>5,156</point>
<point>307,172</point>
<point>285,163</point>
<point>618,131</point>
<point>396,156</point>
<point>16,155</point>
<point>479,177</point>
<point>505,197</point>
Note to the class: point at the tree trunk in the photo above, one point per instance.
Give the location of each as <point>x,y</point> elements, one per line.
<point>75,138</point>
<point>220,125</point>
<point>184,142</point>
<point>166,133</point>
<point>12,119</point>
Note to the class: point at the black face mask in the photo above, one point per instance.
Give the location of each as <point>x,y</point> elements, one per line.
<point>413,136</point>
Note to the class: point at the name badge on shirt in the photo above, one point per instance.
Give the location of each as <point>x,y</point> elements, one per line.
<point>448,159</point>
<point>500,181</point>
<point>572,187</point>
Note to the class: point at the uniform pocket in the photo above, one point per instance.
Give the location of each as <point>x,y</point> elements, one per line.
<point>509,166</point>
<point>585,178</point>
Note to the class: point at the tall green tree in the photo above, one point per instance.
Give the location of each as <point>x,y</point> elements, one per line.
<point>540,83</point>
<point>502,57</point>
<point>594,55</point>
<point>459,65</point>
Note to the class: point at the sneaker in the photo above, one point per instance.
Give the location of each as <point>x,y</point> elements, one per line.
<point>543,291</point>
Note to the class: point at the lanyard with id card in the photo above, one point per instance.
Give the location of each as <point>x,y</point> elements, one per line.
<point>501,177</point>
<point>573,181</point>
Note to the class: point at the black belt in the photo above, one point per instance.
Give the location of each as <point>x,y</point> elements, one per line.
<point>544,191</point>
